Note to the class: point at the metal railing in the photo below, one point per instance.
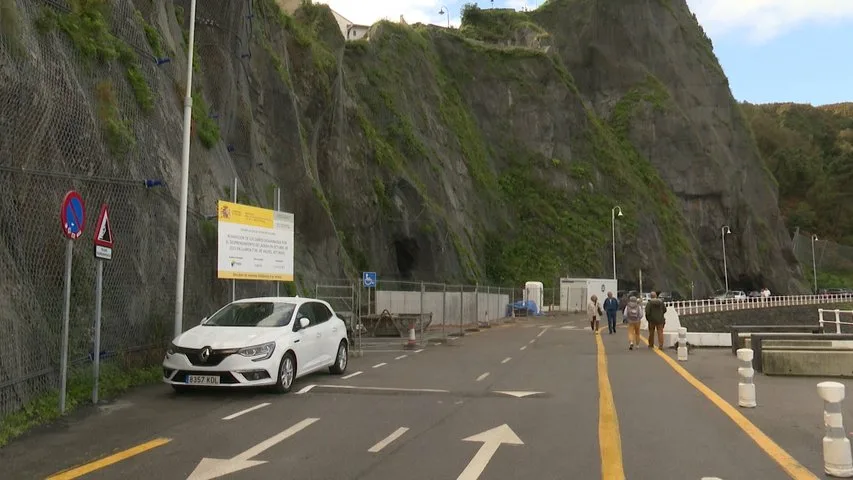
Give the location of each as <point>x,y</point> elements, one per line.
<point>837,318</point>
<point>695,307</point>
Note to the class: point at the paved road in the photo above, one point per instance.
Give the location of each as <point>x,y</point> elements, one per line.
<point>528,401</point>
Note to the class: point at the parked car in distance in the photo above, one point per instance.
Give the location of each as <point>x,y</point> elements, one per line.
<point>259,342</point>
<point>723,296</point>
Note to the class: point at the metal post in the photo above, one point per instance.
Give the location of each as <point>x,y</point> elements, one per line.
<point>423,292</point>
<point>96,358</point>
<point>461,310</point>
<point>66,313</point>
<point>185,174</point>
<point>278,209</point>
<point>444,312</point>
<point>233,281</point>
<point>477,303</point>
<point>814,264</point>
<point>613,237</point>
<point>724,230</point>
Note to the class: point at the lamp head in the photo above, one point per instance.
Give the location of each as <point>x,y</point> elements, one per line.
<point>441,12</point>
<point>620,213</point>
<point>726,229</point>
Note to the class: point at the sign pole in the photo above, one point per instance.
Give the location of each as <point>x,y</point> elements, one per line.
<point>234,282</point>
<point>96,360</point>
<point>66,311</point>
<point>72,216</point>
<point>103,243</point>
<point>277,209</point>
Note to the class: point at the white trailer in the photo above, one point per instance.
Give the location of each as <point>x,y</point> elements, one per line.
<point>576,292</point>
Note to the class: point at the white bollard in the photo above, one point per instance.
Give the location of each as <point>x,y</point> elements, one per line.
<point>837,458</point>
<point>745,386</point>
<point>682,344</point>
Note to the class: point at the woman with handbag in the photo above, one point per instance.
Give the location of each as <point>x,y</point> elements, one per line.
<point>594,312</point>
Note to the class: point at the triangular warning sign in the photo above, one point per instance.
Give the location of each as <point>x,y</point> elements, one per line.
<point>104,232</point>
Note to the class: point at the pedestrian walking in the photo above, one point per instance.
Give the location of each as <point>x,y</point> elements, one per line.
<point>633,314</point>
<point>655,310</point>
<point>611,306</point>
<point>594,312</point>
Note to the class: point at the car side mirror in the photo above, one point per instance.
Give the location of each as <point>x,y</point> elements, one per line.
<point>203,320</point>
<point>303,322</point>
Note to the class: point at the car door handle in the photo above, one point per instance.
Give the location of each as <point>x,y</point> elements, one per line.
<point>296,341</point>
<point>335,329</point>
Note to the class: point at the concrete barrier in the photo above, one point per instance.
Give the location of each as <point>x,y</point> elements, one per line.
<point>808,357</point>
<point>786,363</point>
<point>740,332</point>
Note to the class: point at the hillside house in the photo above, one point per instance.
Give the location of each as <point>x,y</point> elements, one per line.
<point>350,30</point>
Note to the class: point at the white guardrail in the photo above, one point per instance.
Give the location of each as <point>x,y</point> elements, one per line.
<point>694,307</point>
<point>835,316</point>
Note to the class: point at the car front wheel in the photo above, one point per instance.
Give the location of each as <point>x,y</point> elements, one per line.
<point>286,373</point>
<point>341,359</point>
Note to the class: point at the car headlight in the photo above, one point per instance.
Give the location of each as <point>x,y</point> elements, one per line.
<point>258,352</point>
<point>171,349</point>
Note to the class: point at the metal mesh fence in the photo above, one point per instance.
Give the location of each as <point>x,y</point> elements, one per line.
<point>828,256</point>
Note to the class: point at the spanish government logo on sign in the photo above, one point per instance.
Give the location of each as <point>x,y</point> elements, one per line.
<point>254,243</point>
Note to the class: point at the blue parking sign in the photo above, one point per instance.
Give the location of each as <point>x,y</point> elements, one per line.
<point>369,279</point>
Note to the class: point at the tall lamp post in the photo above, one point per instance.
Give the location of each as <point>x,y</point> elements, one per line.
<point>725,230</point>
<point>613,216</point>
<point>814,264</point>
<point>185,173</point>
<point>444,10</point>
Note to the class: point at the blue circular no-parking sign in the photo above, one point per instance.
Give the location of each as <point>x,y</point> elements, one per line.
<point>72,215</point>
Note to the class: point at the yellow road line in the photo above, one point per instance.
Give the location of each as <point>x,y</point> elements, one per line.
<point>609,438</point>
<point>90,467</point>
<point>788,463</point>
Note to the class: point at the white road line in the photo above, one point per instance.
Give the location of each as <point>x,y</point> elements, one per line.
<point>481,377</point>
<point>380,365</point>
<point>401,357</point>
<point>354,374</point>
<point>387,440</point>
<point>522,348</point>
<point>506,359</point>
<point>542,332</point>
<point>241,412</point>
<point>384,389</point>
<point>306,389</point>
<point>532,341</point>
<point>419,351</point>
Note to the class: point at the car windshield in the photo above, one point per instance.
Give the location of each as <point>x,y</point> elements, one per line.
<point>253,314</point>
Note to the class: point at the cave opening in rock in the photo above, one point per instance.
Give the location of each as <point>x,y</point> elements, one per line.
<point>407,250</point>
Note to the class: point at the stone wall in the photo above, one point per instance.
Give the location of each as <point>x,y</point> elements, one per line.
<point>796,315</point>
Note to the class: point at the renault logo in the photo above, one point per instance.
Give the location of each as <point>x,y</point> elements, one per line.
<point>205,354</point>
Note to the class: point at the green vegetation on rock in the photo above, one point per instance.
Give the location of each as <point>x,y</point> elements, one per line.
<point>117,133</point>
<point>205,127</point>
<point>87,27</point>
<point>151,34</point>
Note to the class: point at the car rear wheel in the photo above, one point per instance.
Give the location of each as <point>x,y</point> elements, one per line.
<point>286,373</point>
<point>341,360</point>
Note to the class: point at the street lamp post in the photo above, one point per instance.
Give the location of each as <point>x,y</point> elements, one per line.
<point>444,10</point>
<point>185,173</point>
<point>725,230</point>
<point>613,216</point>
<point>814,264</point>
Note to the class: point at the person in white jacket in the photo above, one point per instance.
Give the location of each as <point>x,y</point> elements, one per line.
<point>594,312</point>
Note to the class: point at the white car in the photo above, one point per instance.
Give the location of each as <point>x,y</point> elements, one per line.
<point>257,342</point>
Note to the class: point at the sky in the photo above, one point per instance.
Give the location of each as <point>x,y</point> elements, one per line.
<point>771,50</point>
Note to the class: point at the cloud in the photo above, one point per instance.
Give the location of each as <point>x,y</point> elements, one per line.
<point>762,20</point>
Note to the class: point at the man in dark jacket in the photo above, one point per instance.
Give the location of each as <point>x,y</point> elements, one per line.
<point>655,310</point>
<point>611,306</point>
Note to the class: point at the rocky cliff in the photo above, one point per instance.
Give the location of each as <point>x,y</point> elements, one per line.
<point>493,153</point>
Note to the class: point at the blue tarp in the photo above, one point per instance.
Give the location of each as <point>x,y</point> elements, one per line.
<point>528,306</point>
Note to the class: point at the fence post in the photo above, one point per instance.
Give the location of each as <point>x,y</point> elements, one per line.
<point>423,327</point>
<point>461,310</point>
<point>820,319</point>
<point>837,321</point>
<point>444,312</point>
<point>477,303</point>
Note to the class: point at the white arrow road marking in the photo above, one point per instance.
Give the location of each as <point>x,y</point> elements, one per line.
<point>483,376</point>
<point>354,374</point>
<point>387,440</point>
<point>506,359</point>
<point>518,394</point>
<point>210,468</point>
<point>241,412</point>
<point>492,439</point>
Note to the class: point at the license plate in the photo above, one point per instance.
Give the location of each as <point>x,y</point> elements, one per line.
<point>203,379</point>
